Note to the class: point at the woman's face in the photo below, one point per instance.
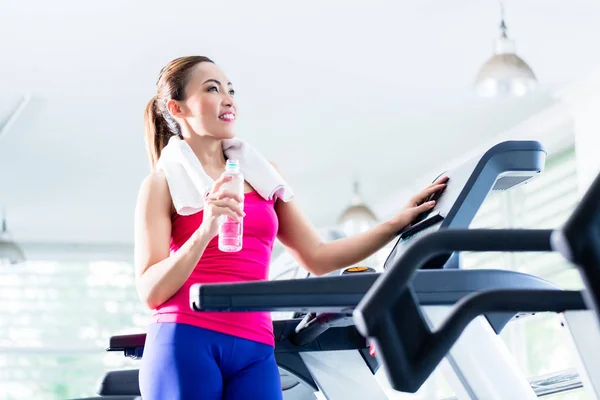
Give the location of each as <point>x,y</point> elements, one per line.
<point>209,107</point>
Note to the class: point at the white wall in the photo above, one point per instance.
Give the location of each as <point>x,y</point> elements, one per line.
<point>553,127</point>
<point>583,102</point>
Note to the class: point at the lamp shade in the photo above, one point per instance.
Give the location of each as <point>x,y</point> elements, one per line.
<point>357,217</point>
<point>10,252</point>
<point>505,73</point>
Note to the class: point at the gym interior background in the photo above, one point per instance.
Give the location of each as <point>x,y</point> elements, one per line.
<point>359,102</point>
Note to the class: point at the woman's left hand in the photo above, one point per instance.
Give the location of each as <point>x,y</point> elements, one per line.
<point>416,205</point>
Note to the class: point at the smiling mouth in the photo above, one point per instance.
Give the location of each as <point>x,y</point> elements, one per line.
<point>229,117</point>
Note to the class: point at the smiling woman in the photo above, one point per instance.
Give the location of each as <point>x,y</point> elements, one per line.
<point>193,114</point>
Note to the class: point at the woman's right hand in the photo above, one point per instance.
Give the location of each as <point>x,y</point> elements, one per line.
<point>218,202</point>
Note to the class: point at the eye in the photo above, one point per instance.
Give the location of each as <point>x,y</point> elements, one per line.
<point>232,92</point>
<point>213,89</point>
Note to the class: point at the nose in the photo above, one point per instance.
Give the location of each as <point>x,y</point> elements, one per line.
<point>227,100</point>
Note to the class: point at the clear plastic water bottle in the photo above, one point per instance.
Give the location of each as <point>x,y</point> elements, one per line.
<point>231,231</point>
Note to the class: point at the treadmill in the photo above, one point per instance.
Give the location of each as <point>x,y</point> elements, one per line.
<point>579,242</point>
<point>409,359</point>
<point>324,350</point>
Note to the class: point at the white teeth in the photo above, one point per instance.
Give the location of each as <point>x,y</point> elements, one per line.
<point>228,117</point>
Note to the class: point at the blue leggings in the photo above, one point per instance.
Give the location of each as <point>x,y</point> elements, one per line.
<point>186,362</point>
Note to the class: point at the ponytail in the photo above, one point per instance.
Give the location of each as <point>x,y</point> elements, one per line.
<point>157,132</point>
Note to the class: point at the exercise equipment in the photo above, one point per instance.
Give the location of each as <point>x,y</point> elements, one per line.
<point>410,358</point>
<point>579,242</point>
<point>325,352</point>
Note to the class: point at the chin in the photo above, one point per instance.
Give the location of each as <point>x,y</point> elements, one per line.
<point>227,133</point>
<point>220,131</point>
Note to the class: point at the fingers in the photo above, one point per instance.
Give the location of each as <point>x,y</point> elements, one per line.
<point>432,189</point>
<point>220,182</point>
<point>425,193</point>
<point>422,208</point>
<point>228,204</point>
<point>441,179</point>
<point>219,192</point>
<point>425,206</point>
<point>230,213</point>
<point>225,194</point>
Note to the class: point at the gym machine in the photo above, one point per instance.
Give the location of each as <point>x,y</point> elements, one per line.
<point>410,356</point>
<point>325,352</point>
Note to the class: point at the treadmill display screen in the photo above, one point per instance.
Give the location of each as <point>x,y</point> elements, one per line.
<point>404,241</point>
<point>424,230</point>
<point>421,226</point>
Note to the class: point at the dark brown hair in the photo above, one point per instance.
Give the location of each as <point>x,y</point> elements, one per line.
<point>159,125</point>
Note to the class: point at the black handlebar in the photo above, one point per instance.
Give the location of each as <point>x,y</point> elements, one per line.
<point>390,315</point>
<point>441,341</point>
<point>390,287</point>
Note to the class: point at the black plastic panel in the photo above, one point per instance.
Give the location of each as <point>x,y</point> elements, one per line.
<point>579,242</point>
<point>392,303</point>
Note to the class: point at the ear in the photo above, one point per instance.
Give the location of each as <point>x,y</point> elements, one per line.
<point>174,109</point>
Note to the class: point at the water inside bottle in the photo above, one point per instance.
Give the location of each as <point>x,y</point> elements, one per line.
<point>230,235</point>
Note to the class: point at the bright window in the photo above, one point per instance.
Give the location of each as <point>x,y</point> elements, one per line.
<point>55,322</point>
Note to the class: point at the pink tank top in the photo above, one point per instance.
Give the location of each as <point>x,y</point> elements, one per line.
<point>249,264</point>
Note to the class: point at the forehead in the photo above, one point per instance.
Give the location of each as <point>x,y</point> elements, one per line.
<point>204,71</point>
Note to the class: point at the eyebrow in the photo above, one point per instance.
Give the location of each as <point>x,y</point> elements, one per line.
<point>216,81</point>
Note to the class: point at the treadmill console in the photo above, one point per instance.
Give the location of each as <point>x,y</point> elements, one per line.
<point>502,167</point>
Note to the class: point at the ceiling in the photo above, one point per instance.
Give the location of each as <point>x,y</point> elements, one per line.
<point>331,91</point>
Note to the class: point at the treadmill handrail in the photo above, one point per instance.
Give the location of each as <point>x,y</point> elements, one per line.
<point>579,241</point>
<point>410,360</point>
<point>411,355</point>
<point>391,285</point>
<point>470,307</point>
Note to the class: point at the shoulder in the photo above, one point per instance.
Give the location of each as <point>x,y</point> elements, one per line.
<point>155,189</point>
<point>278,203</point>
<point>155,181</point>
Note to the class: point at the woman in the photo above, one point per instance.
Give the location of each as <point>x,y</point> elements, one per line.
<point>203,355</point>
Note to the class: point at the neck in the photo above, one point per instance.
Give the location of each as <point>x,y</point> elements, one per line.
<point>209,151</point>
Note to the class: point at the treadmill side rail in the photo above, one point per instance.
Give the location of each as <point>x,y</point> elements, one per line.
<point>410,359</point>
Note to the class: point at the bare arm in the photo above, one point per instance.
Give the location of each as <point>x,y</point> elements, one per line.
<point>158,274</point>
<point>302,240</point>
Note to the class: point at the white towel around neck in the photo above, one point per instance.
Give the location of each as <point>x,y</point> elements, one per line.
<point>189,183</point>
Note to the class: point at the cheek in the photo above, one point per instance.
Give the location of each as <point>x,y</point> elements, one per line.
<point>209,106</point>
